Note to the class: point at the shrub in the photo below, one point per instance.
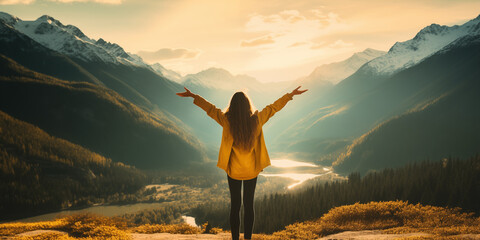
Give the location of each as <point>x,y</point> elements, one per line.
<point>392,217</point>
<point>11,229</point>
<point>91,225</point>
<point>208,229</point>
<point>167,228</point>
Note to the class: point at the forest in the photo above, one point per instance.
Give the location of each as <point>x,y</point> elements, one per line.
<point>446,183</point>
<point>41,173</point>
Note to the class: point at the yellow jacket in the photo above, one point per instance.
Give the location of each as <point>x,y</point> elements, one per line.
<point>262,160</point>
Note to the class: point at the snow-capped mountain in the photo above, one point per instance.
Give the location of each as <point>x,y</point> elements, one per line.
<point>170,74</point>
<point>428,41</point>
<point>337,71</point>
<point>70,40</point>
<point>413,74</point>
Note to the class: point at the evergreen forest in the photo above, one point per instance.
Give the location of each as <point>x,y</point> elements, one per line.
<point>447,183</point>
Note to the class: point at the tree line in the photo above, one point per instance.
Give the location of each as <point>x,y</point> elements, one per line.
<point>448,183</point>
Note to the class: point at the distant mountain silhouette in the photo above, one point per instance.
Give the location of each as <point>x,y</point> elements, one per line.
<point>337,71</point>
<point>319,82</point>
<point>97,118</point>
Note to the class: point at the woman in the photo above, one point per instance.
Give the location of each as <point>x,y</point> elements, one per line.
<point>243,154</point>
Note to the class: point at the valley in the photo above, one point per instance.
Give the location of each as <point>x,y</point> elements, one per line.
<point>88,128</point>
<point>184,196</point>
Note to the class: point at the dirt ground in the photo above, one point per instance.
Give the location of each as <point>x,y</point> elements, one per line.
<point>348,235</point>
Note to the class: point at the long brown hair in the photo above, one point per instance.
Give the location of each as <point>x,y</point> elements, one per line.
<point>242,121</point>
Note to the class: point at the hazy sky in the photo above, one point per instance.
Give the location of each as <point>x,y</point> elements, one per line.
<point>270,40</point>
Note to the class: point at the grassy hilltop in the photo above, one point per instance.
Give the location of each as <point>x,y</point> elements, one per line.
<point>391,217</point>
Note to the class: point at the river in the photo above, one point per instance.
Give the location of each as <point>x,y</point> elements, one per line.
<point>298,171</point>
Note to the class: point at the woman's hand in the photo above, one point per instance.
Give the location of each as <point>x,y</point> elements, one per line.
<point>296,91</point>
<point>187,93</point>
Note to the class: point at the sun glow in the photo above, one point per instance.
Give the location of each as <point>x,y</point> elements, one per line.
<point>299,177</point>
<point>285,163</point>
<point>269,40</point>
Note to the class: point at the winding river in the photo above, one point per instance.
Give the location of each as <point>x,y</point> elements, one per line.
<point>298,171</point>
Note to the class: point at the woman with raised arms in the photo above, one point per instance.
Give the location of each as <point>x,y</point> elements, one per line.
<point>243,154</point>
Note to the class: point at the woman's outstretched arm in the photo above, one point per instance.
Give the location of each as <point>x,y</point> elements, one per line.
<point>209,108</point>
<point>271,109</point>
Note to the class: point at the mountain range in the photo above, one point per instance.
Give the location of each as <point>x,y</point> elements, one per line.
<point>444,116</point>
<point>337,71</point>
<point>76,58</point>
<point>345,118</point>
<point>97,118</point>
<point>386,88</point>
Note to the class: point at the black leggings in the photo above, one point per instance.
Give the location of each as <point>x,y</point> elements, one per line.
<point>236,201</point>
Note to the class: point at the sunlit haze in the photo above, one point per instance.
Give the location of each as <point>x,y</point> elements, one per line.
<point>285,163</point>
<point>269,40</point>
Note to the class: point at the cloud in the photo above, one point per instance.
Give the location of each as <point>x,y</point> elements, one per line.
<point>13,2</point>
<point>113,2</point>
<point>302,31</point>
<point>297,44</point>
<point>168,54</point>
<point>318,45</point>
<point>257,41</point>
<point>291,21</point>
<point>292,28</point>
<point>340,44</point>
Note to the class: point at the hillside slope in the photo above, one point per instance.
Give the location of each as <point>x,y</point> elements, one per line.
<point>365,99</point>
<point>96,118</point>
<point>40,172</point>
<point>447,125</point>
<point>47,46</point>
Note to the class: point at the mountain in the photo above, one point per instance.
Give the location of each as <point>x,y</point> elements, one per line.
<point>69,40</point>
<point>97,118</point>
<point>43,173</point>
<point>365,99</point>
<point>218,78</point>
<point>319,82</point>
<point>446,126</point>
<point>218,86</point>
<point>337,71</point>
<point>428,41</point>
<point>170,74</point>
<point>19,42</point>
<point>101,63</point>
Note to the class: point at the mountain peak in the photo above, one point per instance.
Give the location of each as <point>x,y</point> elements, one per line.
<point>101,41</point>
<point>477,18</point>
<point>337,71</point>
<point>368,50</point>
<point>426,42</point>
<point>369,53</point>
<point>434,29</point>
<point>49,20</point>
<point>69,40</point>
<point>217,72</point>
<point>7,18</point>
